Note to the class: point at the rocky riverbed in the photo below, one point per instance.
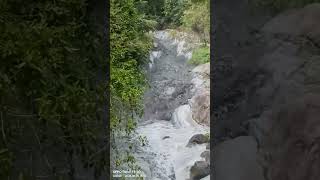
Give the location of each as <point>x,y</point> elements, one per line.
<point>176,117</point>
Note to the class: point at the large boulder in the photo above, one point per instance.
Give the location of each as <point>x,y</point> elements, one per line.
<point>274,108</point>
<point>203,69</point>
<point>200,107</point>
<point>297,22</point>
<point>206,156</point>
<point>199,170</point>
<point>292,148</point>
<point>200,102</point>
<point>237,159</point>
<point>284,68</point>
<point>198,139</point>
<point>201,76</point>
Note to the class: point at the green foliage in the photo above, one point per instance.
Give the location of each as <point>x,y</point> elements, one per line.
<point>152,11</point>
<point>49,61</point>
<point>279,5</point>
<point>152,8</point>
<point>173,11</point>
<point>200,55</point>
<point>197,18</point>
<point>6,160</point>
<point>130,46</point>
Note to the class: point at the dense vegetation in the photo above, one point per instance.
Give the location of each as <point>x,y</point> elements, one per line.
<point>129,45</point>
<point>197,18</point>
<point>50,96</point>
<point>200,55</point>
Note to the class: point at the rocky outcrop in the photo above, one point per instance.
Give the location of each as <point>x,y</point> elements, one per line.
<point>292,148</point>
<point>288,131</point>
<point>200,107</point>
<point>236,159</point>
<point>297,22</point>
<point>273,96</point>
<point>200,102</point>
<point>199,170</point>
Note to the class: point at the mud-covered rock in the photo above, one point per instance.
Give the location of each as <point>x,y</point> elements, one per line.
<point>198,139</point>
<point>166,137</point>
<point>200,102</point>
<point>199,170</point>
<point>200,107</point>
<point>203,69</point>
<point>206,156</point>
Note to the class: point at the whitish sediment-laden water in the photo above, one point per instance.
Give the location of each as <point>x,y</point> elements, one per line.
<point>167,122</point>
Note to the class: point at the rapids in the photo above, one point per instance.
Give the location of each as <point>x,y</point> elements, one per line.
<point>167,123</point>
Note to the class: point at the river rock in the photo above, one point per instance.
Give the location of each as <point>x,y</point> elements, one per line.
<point>200,107</point>
<point>166,137</point>
<point>200,102</point>
<point>164,115</point>
<point>201,77</point>
<point>296,22</point>
<point>169,91</point>
<point>236,159</point>
<point>206,156</point>
<point>203,69</point>
<point>180,90</point>
<point>198,139</point>
<point>199,170</point>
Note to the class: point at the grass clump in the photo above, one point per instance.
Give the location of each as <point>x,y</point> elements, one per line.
<point>200,55</point>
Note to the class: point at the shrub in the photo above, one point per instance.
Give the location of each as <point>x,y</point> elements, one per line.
<point>50,56</point>
<point>197,18</point>
<point>173,12</point>
<point>200,55</point>
<point>129,45</point>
